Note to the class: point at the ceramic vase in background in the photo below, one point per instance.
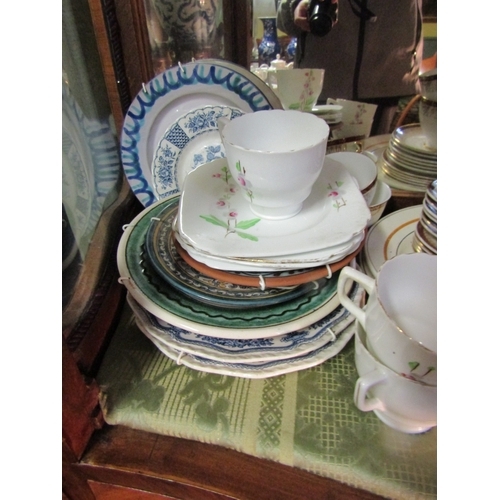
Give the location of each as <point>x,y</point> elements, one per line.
<point>185,29</point>
<point>269,46</point>
<point>291,48</point>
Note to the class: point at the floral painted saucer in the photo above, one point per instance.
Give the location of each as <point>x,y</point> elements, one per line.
<point>325,257</point>
<point>192,140</point>
<point>215,217</point>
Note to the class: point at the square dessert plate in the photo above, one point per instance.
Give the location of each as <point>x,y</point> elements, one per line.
<point>215,217</point>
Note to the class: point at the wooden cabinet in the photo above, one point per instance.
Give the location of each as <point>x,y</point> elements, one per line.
<point>113,462</point>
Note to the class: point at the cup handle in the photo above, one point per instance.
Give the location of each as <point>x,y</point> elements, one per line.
<point>363,385</point>
<point>365,281</point>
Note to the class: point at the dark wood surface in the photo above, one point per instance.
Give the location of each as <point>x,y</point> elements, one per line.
<point>184,469</point>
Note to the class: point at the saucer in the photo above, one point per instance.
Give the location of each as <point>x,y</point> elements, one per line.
<point>412,138</point>
<point>306,260</point>
<point>215,217</point>
<point>279,279</point>
<point>390,236</point>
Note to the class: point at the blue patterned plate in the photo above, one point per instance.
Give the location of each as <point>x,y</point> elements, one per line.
<point>249,351</point>
<point>191,141</point>
<point>265,369</point>
<point>171,95</point>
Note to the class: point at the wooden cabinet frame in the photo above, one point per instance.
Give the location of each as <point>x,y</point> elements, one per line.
<point>114,462</point>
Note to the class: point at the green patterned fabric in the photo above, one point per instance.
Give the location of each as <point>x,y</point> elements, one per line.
<point>306,419</point>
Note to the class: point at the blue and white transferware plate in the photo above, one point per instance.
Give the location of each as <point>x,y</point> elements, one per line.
<point>166,261</point>
<point>261,370</point>
<point>166,303</point>
<point>173,94</point>
<point>192,140</point>
<point>255,350</point>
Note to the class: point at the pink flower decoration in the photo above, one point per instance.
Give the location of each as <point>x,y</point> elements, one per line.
<point>242,180</point>
<point>233,214</point>
<point>333,193</point>
<point>221,204</point>
<point>217,176</point>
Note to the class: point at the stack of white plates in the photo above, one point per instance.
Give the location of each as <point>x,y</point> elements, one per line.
<point>217,227</point>
<point>407,158</point>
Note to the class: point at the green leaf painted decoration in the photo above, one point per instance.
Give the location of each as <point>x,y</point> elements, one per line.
<point>247,236</point>
<point>413,365</point>
<point>214,220</point>
<point>245,224</point>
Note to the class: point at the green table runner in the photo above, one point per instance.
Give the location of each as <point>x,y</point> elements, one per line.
<point>305,419</point>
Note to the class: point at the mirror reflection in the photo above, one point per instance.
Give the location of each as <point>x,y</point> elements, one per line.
<point>91,170</point>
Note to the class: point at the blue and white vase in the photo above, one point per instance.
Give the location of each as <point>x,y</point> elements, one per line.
<point>291,48</point>
<point>269,46</point>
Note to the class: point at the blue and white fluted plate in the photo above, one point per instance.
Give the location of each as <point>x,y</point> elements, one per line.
<point>171,95</point>
<point>250,351</point>
<point>265,369</point>
<point>193,140</point>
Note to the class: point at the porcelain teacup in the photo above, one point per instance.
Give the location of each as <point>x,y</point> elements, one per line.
<point>382,195</point>
<point>276,156</point>
<point>362,168</point>
<point>299,88</point>
<point>400,315</point>
<point>405,405</point>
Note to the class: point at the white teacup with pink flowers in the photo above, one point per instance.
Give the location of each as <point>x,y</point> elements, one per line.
<point>276,156</point>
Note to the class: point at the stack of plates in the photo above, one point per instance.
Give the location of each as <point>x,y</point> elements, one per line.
<point>214,325</point>
<point>229,294</point>
<point>425,238</point>
<point>407,159</point>
<point>217,227</point>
